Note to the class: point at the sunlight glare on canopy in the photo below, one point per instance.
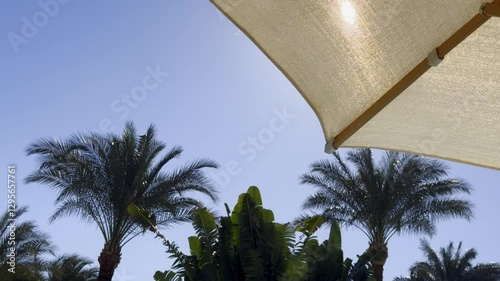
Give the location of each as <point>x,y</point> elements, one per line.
<point>348,12</point>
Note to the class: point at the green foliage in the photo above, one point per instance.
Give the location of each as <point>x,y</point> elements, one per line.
<point>33,249</point>
<point>450,264</point>
<point>97,176</point>
<point>142,217</point>
<point>248,245</point>
<point>403,193</point>
<point>71,268</point>
<point>310,225</point>
<point>325,262</point>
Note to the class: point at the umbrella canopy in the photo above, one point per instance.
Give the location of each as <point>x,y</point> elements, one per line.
<point>417,76</point>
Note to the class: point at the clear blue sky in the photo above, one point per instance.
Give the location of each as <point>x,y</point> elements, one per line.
<point>77,70</point>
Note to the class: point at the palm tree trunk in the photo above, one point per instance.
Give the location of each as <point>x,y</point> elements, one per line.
<point>381,254</point>
<point>378,272</point>
<point>108,261</point>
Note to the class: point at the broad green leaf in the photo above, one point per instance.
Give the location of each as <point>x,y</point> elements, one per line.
<point>335,239</point>
<point>142,217</point>
<point>267,215</point>
<point>237,208</point>
<point>166,276</point>
<point>254,193</point>
<point>204,224</point>
<point>195,246</point>
<point>311,225</point>
<point>228,211</point>
<point>235,217</point>
<point>347,268</point>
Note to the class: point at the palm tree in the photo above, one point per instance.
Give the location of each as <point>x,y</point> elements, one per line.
<point>404,193</point>
<point>451,264</point>
<point>97,176</point>
<point>71,268</point>
<point>31,245</point>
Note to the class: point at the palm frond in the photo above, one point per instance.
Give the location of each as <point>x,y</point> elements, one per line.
<point>98,175</point>
<point>452,264</point>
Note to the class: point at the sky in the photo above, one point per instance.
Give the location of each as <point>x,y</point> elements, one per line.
<point>76,66</point>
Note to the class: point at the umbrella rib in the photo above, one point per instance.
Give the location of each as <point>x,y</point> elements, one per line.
<point>488,10</point>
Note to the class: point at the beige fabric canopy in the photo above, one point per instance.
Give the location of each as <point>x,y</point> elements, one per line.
<point>357,63</point>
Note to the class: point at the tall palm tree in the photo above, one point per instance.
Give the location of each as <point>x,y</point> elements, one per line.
<point>451,264</point>
<point>97,176</point>
<point>31,246</point>
<point>71,268</point>
<point>403,193</point>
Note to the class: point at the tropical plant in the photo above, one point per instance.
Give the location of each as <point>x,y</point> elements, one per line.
<point>451,264</point>
<point>32,249</point>
<point>31,245</point>
<point>404,193</point>
<point>98,175</point>
<point>312,261</point>
<point>71,268</point>
<point>245,245</point>
<point>248,245</point>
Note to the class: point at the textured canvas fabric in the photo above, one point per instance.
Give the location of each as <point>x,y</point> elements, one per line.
<point>452,111</point>
<point>343,55</point>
